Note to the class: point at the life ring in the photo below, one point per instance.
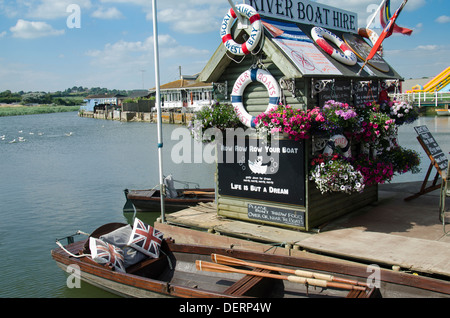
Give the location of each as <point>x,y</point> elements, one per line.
<point>346,56</point>
<point>338,141</point>
<point>253,75</point>
<point>372,36</point>
<point>255,35</point>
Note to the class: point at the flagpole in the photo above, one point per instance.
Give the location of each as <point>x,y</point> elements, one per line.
<point>375,14</point>
<point>388,29</point>
<point>239,16</point>
<point>158,110</point>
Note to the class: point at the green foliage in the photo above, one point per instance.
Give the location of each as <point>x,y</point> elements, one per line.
<point>33,110</point>
<point>217,117</point>
<point>220,116</point>
<point>69,97</point>
<point>7,97</point>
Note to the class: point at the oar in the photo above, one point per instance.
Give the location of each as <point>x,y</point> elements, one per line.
<point>212,267</point>
<point>226,260</point>
<point>198,192</point>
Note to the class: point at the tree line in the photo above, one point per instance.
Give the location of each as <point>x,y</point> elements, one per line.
<point>69,97</point>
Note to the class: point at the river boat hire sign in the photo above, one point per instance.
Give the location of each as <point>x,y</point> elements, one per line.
<point>307,12</point>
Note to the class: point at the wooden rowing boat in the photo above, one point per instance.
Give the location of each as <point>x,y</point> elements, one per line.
<point>175,274</point>
<point>150,200</point>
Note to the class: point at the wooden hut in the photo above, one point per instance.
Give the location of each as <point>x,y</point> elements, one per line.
<point>307,77</point>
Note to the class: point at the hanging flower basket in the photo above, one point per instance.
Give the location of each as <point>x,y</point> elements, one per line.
<point>335,174</point>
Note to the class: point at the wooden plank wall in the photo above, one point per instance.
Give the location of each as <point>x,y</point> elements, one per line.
<point>319,209</point>
<point>237,208</point>
<point>325,207</point>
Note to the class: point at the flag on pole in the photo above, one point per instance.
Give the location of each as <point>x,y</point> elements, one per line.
<point>387,32</point>
<point>385,17</point>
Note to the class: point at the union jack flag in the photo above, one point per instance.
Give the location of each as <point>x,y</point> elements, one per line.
<point>386,16</point>
<point>145,238</point>
<point>104,253</point>
<point>386,32</point>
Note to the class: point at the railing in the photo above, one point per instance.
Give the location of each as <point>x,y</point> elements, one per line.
<point>423,99</point>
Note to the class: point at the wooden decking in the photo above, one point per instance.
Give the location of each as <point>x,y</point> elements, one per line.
<point>391,233</point>
<point>204,217</point>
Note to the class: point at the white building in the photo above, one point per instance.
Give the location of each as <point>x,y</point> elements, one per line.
<point>186,93</point>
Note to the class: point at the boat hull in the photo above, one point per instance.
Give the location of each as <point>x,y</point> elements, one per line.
<point>113,286</point>
<point>443,112</point>
<point>150,200</point>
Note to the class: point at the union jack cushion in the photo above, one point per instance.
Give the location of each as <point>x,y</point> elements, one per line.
<point>104,253</point>
<point>145,239</point>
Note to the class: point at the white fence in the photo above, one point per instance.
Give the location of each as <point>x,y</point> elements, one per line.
<point>420,99</point>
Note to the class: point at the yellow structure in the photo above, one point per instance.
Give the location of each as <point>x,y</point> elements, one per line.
<point>435,85</point>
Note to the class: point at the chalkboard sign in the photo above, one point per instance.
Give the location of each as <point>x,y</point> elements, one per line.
<point>339,90</point>
<point>365,93</point>
<point>258,170</point>
<point>432,148</point>
<point>276,215</point>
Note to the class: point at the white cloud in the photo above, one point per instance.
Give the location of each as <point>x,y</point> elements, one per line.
<point>134,53</point>
<point>412,5</point>
<point>366,8</point>
<point>107,13</point>
<point>21,76</point>
<point>186,20</point>
<point>187,16</point>
<point>31,30</point>
<point>119,64</point>
<point>432,58</point>
<point>427,47</point>
<point>53,9</point>
<point>2,34</point>
<point>443,19</point>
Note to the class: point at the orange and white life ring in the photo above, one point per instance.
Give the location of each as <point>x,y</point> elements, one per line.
<point>321,35</point>
<point>255,35</point>
<point>372,36</point>
<point>249,76</point>
<point>338,141</point>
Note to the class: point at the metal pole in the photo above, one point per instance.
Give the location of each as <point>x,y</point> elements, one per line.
<point>158,110</point>
<point>375,14</point>
<point>239,16</point>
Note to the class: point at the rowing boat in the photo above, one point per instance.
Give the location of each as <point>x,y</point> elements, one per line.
<point>186,271</point>
<point>150,200</point>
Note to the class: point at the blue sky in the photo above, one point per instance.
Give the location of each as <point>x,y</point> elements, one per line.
<point>113,47</point>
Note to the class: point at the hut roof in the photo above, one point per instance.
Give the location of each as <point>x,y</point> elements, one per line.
<point>292,49</point>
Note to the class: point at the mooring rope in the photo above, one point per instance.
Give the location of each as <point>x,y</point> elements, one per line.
<point>68,252</point>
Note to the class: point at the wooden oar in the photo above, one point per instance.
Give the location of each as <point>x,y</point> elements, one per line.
<point>226,260</point>
<point>213,267</point>
<point>198,192</point>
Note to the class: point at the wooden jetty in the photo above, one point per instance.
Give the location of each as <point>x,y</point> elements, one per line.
<point>393,233</point>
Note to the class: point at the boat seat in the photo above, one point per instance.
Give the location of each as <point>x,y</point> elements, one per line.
<point>138,266</point>
<point>250,285</point>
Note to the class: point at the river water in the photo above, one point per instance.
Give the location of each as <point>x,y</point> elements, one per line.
<point>69,175</point>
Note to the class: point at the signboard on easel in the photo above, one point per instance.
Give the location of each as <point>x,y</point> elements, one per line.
<point>437,157</point>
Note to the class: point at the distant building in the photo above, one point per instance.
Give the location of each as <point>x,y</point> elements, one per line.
<point>186,93</point>
<point>101,102</point>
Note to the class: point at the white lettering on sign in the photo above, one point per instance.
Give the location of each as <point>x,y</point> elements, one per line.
<point>240,81</point>
<point>262,78</point>
<point>307,12</point>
